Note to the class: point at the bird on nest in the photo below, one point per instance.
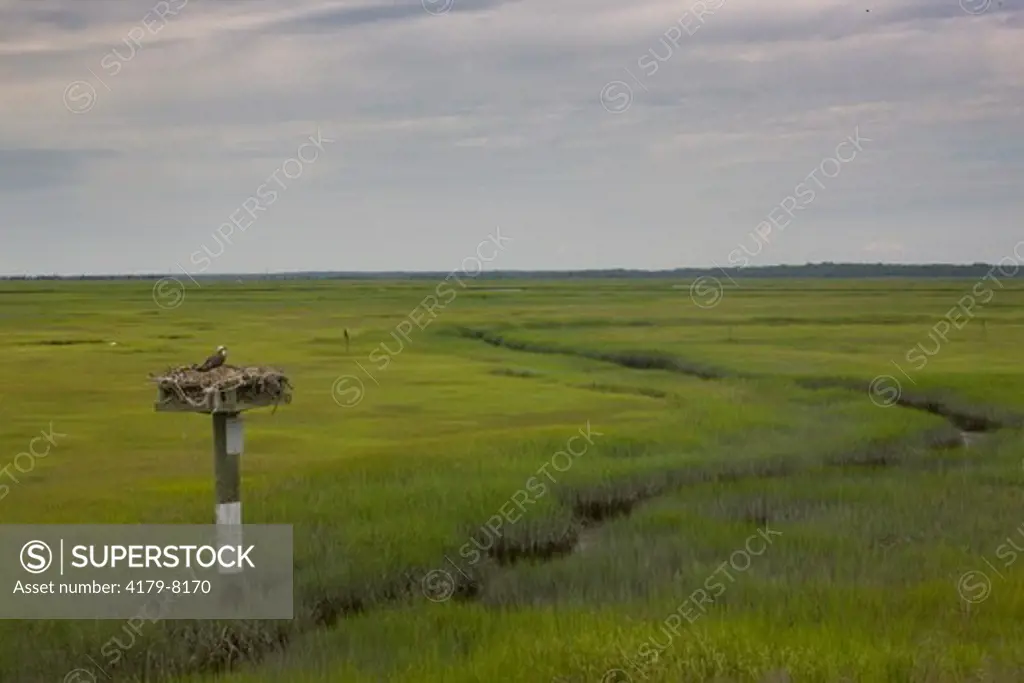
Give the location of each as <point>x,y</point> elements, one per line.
<point>214,361</point>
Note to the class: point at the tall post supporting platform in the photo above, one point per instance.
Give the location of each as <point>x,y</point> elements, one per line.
<point>227,451</point>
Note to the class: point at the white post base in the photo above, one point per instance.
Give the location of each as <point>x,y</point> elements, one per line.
<point>229,530</point>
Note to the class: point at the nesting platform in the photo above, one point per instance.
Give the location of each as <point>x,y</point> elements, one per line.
<point>227,389</point>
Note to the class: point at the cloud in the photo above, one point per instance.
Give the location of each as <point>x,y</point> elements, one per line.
<point>885,248</point>
<point>335,19</point>
<point>42,169</point>
<point>491,112</point>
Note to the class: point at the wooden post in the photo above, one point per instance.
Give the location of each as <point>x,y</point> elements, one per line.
<point>227,451</point>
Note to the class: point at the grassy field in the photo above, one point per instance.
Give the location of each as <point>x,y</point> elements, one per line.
<point>757,495</point>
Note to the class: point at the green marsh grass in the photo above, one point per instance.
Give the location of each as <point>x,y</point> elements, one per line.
<point>880,511</point>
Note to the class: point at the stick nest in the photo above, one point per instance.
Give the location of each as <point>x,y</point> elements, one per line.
<point>197,388</point>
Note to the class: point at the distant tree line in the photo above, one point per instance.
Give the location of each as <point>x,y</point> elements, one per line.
<point>809,271</point>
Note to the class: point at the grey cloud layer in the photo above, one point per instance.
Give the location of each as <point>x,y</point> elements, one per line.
<point>489,114</point>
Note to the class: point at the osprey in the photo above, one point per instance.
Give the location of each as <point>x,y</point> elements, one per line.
<point>214,361</point>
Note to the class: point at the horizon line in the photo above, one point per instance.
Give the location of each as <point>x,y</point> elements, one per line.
<point>616,269</point>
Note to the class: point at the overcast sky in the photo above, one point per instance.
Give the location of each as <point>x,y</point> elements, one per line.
<point>592,133</point>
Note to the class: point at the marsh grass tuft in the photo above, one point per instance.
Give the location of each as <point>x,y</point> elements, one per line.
<point>525,373</point>
<point>66,342</point>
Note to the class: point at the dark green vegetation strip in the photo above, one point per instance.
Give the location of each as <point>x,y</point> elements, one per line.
<point>968,418</point>
<point>639,360</point>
